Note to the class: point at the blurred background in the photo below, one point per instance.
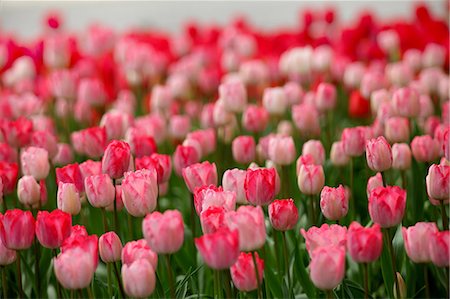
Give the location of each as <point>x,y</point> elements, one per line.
<point>25,19</point>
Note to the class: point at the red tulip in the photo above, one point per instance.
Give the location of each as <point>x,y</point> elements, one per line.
<point>364,243</point>
<point>212,219</point>
<point>212,196</point>
<point>17,229</point>
<point>90,142</point>
<point>283,214</point>
<point>183,157</point>
<point>70,174</point>
<point>243,272</point>
<point>116,159</point>
<point>260,185</point>
<point>53,228</point>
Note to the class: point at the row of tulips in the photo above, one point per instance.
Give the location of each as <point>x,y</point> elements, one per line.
<point>227,162</point>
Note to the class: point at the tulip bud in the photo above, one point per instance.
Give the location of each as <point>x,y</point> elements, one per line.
<point>424,148</point>
<point>249,221</point>
<point>28,191</point>
<point>110,247</point>
<point>17,229</point>
<point>68,198</point>
<point>260,185</point>
<point>327,267</point>
<point>378,154</point>
<point>282,150</point>
<point>354,141</point>
<point>306,118</point>
<point>406,102</point>
<point>315,149</point>
<point>219,250</point>
<point>200,174</point>
<point>139,278</point>
<point>34,162</point>
<point>417,241</point>
<point>53,228</point>
<point>364,243</point>
<point>164,232</point>
<point>401,156</point>
<point>243,148</point>
<point>387,205</point>
<point>140,191</point>
<point>396,129</point>
<point>100,190</point>
<point>234,95</point>
<point>337,154</point>
<point>334,202</point>
<point>438,182</point>
<point>283,214</point>
<point>116,159</point>
<point>438,246</point>
<point>255,119</point>
<point>243,272</point>
<point>326,97</point>
<point>311,179</point>
<point>233,180</point>
<point>274,100</point>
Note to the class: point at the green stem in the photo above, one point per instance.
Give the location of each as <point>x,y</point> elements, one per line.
<point>170,276</point>
<point>216,284</point>
<point>313,209</point>
<point>5,208</point>
<point>277,250</point>
<point>227,283</point>
<point>403,175</point>
<point>116,221</point>
<point>130,227</point>
<point>425,277</point>
<point>4,284</point>
<point>286,185</point>
<point>108,266</point>
<point>119,281</point>
<point>444,216</point>
<point>352,195</point>
<point>366,280</point>
<point>89,291</point>
<point>37,271</point>
<point>19,277</point>
<point>58,286</point>
<point>392,255</point>
<point>286,262</point>
<point>257,275</point>
<point>105,221</point>
<point>330,294</point>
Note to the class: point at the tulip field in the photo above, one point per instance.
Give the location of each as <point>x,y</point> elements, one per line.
<point>227,161</point>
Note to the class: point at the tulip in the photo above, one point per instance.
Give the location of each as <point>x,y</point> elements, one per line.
<point>315,149</point>
<point>74,268</point>
<point>100,190</point>
<point>334,202</point>
<point>140,191</point>
<point>327,267</point>
<point>137,250</point>
<point>311,179</point>
<point>110,247</point>
<point>387,205</point>
<point>243,272</point>
<point>89,167</point>
<point>439,248</point>
<point>401,156</point>
<point>212,219</point>
<point>354,141</point>
<point>324,236</point>
<point>34,161</point>
<point>424,148</point>
<point>260,185</point>
<point>200,174</point>
<point>243,149</point>
<point>337,154</point>
<point>53,228</point>
<point>141,143</point>
<point>282,150</point>
<point>306,118</point>
<point>364,243</point>
<point>438,181</point>
<point>115,123</point>
<point>233,180</point>
<point>179,126</point>
<point>283,214</point>
<point>374,182</point>
<point>255,119</point>
<point>275,101</point>
<point>139,278</point>
<point>63,155</point>
<point>163,166</point>
<point>91,141</point>
<point>116,159</point>
<point>294,92</point>
<point>396,129</point>
<point>221,116</point>
<point>206,139</point>
<point>212,196</point>
<point>378,154</point>
<point>183,157</point>
<point>234,95</point>
<point>325,97</point>
<point>17,229</point>
<point>406,102</point>
<point>7,256</point>
<point>304,160</point>
<point>70,174</point>
<point>45,140</point>
<point>219,250</point>
<point>417,241</point>
<point>17,133</point>
<point>164,232</point>
<point>249,221</point>
<point>28,191</point>
<point>68,198</point>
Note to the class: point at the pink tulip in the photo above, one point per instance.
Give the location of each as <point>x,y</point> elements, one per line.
<point>141,143</point>
<point>34,161</point>
<point>274,100</point>
<point>334,202</point>
<point>401,156</point>
<point>311,179</point>
<point>212,196</point>
<point>53,228</point>
<point>315,149</point>
<point>116,124</point>
<point>233,180</point>
<point>200,174</point>
<point>406,102</point>
<point>325,97</point>
<point>118,200</point>
<point>91,91</point>
<point>327,267</point>
<point>7,153</point>
<point>354,141</point>
<point>249,221</point>
<point>219,250</point>
<point>110,247</point>
<point>212,219</point>
<point>364,243</point>
<point>260,185</point>
<point>17,133</point>
<point>7,256</point>
<point>438,181</point>
<point>306,118</point>
<point>378,154</point>
<point>90,142</point>
<point>439,247</point>
<point>243,272</point>
<point>304,160</point>
<point>45,140</point>
<point>179,126</point>
<point>255,119</point>
<point>89,167</point>
<point>63,155</point>
<point>139,278</point>
<point>387,205</point>
<point>70,174</point>
<point>374,182</point>
<point>137,250</point>
<point>17,229</point>
<point>206,139</point>
<point>243,148</point>
<point>396,129</point>
<point>183,157</point>
<point>324,236</point>
<point>417,241</point>
<point>163,166</point>
<point>234,95</point>
<point>424,148</point>
<point>68,198</point>
<point>28,191</point>
<point>140,191</point>
<point>164,232</point>
<point>294,92</point>
<point>116,159</point>
<point>100,190</point>
<point>282,150</point>
<point>74,268</point>
<point>283,214</point>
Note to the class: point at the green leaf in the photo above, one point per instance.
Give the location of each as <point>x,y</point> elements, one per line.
<point>302,275</point>
<point>386,269</point>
